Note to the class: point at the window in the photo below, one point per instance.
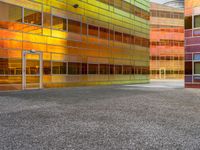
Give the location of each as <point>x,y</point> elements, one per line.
<point>127,70</point>
<point>188,68</point>
<point>74,26</point>
<point>74,68</point>
<point>188,22</point>
<point>93,68</point>
<point>47,67</point>
<point>126,38</point>
<point>138,41</point>
<point>132,70</point>
<point>10,12</point>
<point>196,67</point>
<point>104,69</point>
<point>112,69</point>
<point>59,23</point>
<point>138,70</point>
<point>137,11</point>
<point>10,66</point>
<point>84,68</point>
<point>32,17</point>
<point>93,30</point>
<point>111,35</point>
<point>59,68</point>
<point>118,69</point>
<point>118,36</point>
<point>197,21</point>
<point>145,70</point>
<point>104,33</point>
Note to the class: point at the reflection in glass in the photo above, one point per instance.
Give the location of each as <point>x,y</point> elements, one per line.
<point>197,68</point>
<point>32,17</point>
<point>74,68</point>
<point>59,23</point>
<point>74,26</point>
<point>10,12</point>
<point>59,68</point>
<point>93,68</point>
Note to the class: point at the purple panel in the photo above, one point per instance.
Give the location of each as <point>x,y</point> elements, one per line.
<point>188,33</point>
<point>194,48</point>
<point>188,78</point>
<point>195,40</point>
<point>188,56</point>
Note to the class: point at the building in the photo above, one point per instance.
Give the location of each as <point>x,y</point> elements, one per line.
<point>166,42</point>
<point>175,3</point>
<point>58,43</point>
<point>192,44</point>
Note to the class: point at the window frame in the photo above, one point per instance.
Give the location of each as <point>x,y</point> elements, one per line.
<point>193,64</point>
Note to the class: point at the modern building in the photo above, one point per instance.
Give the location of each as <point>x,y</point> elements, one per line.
<point>192,44</point>
<point>166,42</point>
<point>59,43</point>
<point>175,3</point>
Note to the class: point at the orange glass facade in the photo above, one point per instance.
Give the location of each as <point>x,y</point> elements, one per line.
<point>54,43</point>
<point>166,42</point>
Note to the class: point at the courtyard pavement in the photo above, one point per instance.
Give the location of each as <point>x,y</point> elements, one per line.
<point>161,115</point>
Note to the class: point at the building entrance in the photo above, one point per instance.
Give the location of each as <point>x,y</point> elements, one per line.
<point>162,73</point>
<point>32,70</point>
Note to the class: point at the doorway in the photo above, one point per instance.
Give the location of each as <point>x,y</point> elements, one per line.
<point>32,67</point>
<point>162,73</point>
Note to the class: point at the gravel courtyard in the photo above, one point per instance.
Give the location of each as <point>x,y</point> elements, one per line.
<point>160,115</point>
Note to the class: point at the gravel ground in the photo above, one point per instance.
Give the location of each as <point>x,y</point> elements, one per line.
<point>161,115</point>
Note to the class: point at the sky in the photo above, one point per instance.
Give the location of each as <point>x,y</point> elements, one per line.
<point>158,1</point>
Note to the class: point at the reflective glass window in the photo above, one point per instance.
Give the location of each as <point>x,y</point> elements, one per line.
<point>74,26</point>
<point>74,68</point>
<point>197,21</point>
<point>118,69</point>
<point>10,66</point>
<point>127,69</point>
<point>188,68</point>
<point>93,68</point>
<point>126,38</point>
<point>92,30</point>
<point>197,68</point>
<point>188,22</point>
<point>10,12</point>
<point>104,69</point>
<point>59,68</point>
<point>112,69</point>
<point>104,33</point>
<point>118,36</point>
<point>84,68</point>
<point>59,23</point>
<point>32,17</point>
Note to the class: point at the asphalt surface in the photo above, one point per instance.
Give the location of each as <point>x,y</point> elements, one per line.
<point>161,115</point>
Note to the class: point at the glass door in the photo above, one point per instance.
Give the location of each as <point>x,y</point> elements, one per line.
<point>162,73</point>
<point>32,70</point>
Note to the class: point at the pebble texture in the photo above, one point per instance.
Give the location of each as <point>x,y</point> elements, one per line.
<point>161,115</point>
